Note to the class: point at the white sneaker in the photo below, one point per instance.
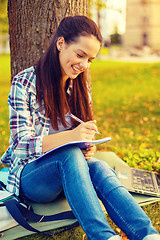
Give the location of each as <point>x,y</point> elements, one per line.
<point>116,237</point>
<point>152,237</point>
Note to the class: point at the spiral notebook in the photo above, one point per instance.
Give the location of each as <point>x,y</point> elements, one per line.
<point>81,144</point>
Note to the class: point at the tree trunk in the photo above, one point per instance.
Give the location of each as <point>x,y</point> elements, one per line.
<point>31,24</point>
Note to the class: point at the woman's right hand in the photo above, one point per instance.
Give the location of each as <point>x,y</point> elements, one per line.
<point>85,131</point>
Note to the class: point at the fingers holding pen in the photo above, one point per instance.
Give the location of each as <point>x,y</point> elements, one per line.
<point>86,131</point>
<point>91,125</point>
<point>89,129</point>
<point>95,127</point>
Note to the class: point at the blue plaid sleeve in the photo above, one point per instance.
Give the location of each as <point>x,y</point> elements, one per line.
<point>23,134</point>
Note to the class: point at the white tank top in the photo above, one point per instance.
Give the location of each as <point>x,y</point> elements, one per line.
<point>60,126</point>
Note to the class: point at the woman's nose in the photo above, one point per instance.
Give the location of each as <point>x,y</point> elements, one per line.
<point>84,64</point>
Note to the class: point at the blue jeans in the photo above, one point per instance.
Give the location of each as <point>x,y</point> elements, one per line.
<point>83,182</point>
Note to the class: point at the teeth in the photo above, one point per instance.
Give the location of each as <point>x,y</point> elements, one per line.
<point>76,69</point>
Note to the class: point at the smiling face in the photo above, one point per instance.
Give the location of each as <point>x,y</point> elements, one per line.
<point>77,56</point>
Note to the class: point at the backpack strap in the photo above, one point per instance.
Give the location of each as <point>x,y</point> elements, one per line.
<point>2,186</point>
<point>13,209</point>
<point>20,213</point>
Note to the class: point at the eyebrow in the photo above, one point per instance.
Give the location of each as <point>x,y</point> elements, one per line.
<point>86,53</point>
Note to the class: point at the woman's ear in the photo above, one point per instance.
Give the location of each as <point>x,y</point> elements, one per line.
<point>60,43</point>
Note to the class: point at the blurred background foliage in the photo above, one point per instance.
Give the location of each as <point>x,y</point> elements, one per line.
<point>3,17</point>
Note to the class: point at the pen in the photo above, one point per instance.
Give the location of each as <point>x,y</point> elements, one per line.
<point>79,120</point>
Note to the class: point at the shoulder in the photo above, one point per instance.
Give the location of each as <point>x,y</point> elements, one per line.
<point>25,79</point>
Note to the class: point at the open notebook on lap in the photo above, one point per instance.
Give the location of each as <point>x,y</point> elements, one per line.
<point>139,181</point>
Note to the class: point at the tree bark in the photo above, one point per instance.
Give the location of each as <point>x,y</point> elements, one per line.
<point>31,25</point>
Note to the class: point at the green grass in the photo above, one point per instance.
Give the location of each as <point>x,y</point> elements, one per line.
<point>126,102</point>
<point>127,108</point>
<point>4,90</point>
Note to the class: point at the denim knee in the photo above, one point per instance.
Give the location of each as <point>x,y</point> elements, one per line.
<point>73,158</point>
<point>70,151</point>
<point>99,165</point>
<point>102,173</point>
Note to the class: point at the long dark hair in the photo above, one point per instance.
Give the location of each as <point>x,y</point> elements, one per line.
<point>49,87</point>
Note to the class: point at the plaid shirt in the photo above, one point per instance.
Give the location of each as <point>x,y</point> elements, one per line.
<point>28,125</point>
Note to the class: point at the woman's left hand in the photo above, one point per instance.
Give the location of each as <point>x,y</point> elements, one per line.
<point>89,152</point>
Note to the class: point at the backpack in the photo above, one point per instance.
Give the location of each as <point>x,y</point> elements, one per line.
<point>14,212</point>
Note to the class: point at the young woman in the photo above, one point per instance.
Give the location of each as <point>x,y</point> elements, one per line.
<point>40,100</point>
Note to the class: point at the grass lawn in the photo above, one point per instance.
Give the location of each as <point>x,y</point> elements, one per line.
<point>127,108</point>
<point>4,90</point>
